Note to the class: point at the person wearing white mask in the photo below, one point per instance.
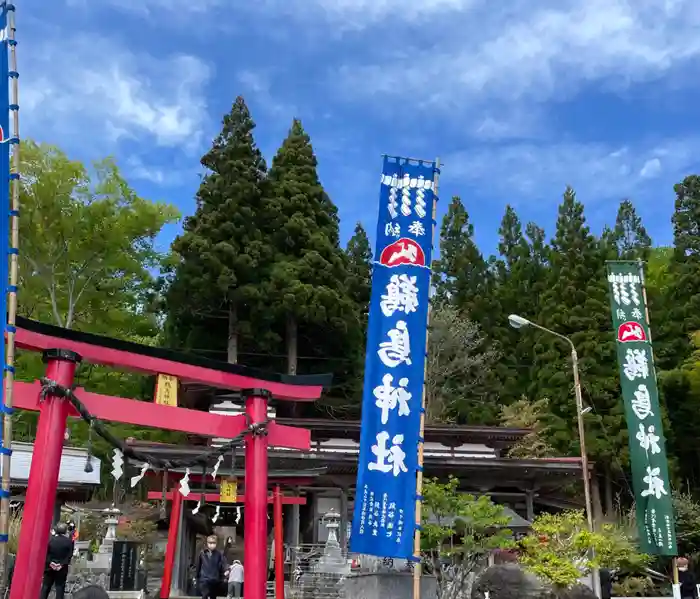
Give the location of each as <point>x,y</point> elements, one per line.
<point>686,580</point>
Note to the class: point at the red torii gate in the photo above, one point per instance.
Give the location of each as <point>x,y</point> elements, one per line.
<point>64,349</point>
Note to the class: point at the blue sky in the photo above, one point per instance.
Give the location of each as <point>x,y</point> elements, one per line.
<point>518,97</point>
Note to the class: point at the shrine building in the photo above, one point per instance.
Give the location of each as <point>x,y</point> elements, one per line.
<point>322,480</point>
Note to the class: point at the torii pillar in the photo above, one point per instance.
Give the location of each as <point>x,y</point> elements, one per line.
<point>255,524</point>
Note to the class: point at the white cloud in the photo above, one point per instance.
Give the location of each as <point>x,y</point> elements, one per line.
<point>599,172</point>
<point>358,14</point>
<point>651,169</point>
<point>101,92</point>
<point>518,53</point>
<point>150,7</point>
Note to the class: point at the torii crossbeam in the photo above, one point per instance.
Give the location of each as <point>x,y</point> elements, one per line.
<point>63,350</point>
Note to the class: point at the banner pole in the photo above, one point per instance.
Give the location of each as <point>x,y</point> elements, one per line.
<point>417,566</point>
<point>640,265</point>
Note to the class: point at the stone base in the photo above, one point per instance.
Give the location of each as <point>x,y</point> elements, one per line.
<point>387,585</point>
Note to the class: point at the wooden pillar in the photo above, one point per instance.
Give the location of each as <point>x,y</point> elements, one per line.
<point>43,477</point>
<point>172,546</point>
<point>279,544</point>
<point>343,537</point>
<point>255,521</point>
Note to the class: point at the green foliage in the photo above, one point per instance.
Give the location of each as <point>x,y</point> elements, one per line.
<point>459,531</point>
<point>560,549</point>
<point>629,239</point>
<point>88,245</point>
<point>137,530</point>
<point>88,250</point>
<point>308,284</point>
<point>223,251</point>
<point>458,382</point>
<point>530,415</point>
<point>521,279</point>
<point>576,305</point>
<point>307,279</point>
<point>687,512</point>
<point>634,586</point>
<point>681,310</point>
<point>359,255</point>
<point>461,275</point>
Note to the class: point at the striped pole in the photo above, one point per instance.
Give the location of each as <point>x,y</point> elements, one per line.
<point>8,69</point>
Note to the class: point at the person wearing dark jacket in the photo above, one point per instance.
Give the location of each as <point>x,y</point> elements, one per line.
<point>58,556</point>
<point>686,579</point>
<point>211,567</point>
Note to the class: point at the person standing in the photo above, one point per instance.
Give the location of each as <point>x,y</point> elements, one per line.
<point>687,580</point>
<point>58,556</point>
<point>235,580</point>
<point>211,567</point>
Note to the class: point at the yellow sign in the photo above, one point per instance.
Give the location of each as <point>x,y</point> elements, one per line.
<point>166,390</point>
<point>228,492</point>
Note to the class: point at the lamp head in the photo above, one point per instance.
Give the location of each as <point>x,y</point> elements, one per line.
<point>517,322</point>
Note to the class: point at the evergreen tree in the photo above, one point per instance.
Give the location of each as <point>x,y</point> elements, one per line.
<point>462,276</point>
<point>359,254</point>
<point>307,284</point>
<point>222,250</point>
<point>520,274</point>
<point>681,313</point>
<point>629,239</point>
<point>576,306</point>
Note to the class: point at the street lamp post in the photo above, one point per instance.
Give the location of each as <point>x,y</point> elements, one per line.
<point>518,322</point>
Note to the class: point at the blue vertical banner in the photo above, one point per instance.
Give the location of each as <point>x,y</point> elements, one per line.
<point>4,173</point>
<point>385,495</point>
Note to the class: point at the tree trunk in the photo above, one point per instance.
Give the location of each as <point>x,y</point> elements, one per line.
<point>292,343</point>
<point>292,358</point>
<point>598,515</point>
<point>609,507</point>
<point>232,346</point>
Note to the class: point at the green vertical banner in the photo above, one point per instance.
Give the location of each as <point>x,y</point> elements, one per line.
<point>655,521</point>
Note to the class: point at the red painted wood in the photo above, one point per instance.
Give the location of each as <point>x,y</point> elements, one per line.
<point>279,544</point>
<point>144,413</point>
<point>255,522</point>
<point>214,498</point>
<point>42,485</point>
<point>171,547</point>
<point>185,372</point>
<point>280,480</point>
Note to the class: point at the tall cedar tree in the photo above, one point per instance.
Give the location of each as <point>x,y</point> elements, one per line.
<point>679,323</point>
<point>359,254</point>
<point>520,281</point>
<point>681,313</point>
<point>576,305</point>
<point>629,239</point>
<point>464,281</point>
<point>307,284</point>
<point>461,275</point>
<point>359,258</point>
<point>223,249</point>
